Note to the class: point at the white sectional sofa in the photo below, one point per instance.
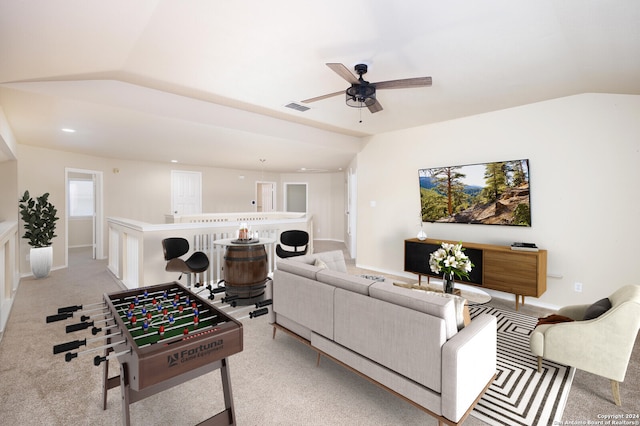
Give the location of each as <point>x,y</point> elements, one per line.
<point>406,340</point>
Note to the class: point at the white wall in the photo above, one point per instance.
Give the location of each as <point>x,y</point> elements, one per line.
<point>325,199</point>
<point>584,154</point>
<point>142,191</point>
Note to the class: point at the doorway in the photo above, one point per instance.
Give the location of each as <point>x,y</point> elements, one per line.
<point>265,196</point>
<point>295,197</point>
<point>84,214</point>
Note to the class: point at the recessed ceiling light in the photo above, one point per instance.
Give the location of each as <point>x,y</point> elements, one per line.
<point>174,161</point>
<point>68,130</point>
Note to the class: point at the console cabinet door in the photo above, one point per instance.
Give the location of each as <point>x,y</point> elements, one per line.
<point>511,272</point>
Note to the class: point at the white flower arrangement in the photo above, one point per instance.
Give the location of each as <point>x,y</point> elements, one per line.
<point>449,259</point>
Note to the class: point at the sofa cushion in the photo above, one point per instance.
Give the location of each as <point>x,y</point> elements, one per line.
<point>597,309</point>
<point>333,259</point>
<point>438,305</point>
<point>342,280</point>
<point>404,340</point>
<point>305,301</point>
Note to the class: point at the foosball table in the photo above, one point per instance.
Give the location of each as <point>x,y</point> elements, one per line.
<point>162,336</point>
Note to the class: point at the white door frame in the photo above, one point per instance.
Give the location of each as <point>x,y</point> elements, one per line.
<point>352,186</point>
<point>98,215</point>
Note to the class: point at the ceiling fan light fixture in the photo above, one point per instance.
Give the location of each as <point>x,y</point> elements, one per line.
<point>360,95</point>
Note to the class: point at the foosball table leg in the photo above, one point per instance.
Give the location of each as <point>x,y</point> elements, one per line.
<point>105,382</point>
<point>124,391</point>
<point>226,389</point>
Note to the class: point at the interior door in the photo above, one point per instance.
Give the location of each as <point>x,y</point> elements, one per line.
<point>266,194</point>
<point>186,192</point>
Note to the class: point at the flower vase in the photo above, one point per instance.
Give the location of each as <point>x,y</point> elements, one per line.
<point>447,283</point>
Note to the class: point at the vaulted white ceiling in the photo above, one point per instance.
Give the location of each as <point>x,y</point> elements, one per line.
<point>205,82</point>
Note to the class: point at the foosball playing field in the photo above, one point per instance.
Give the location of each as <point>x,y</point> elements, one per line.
<point>163,314</point>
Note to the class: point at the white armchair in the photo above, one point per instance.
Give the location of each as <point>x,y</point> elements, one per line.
<point>601,346</point>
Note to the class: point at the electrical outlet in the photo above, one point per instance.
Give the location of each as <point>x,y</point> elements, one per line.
<point>577,287</point>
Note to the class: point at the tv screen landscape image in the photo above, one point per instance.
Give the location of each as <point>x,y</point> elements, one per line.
<point>489,193</point>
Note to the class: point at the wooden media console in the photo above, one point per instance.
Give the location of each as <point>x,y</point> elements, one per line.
<point>522,273</point>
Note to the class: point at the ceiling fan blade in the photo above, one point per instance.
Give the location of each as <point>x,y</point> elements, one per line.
<point>343,72</point>
<point>403,83</point>
<point>319,98</point>
<point>375,107</point>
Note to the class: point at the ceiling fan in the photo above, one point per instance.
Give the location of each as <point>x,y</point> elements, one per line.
<point>362,93</point>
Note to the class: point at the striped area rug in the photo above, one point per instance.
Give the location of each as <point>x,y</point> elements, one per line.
<point>520,395</point>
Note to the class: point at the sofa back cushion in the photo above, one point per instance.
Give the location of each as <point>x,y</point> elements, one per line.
<point>404,340</point>
<point>298,268</point>
<point>345,281</point>
<point>440,306</point>
<point>333,260</point>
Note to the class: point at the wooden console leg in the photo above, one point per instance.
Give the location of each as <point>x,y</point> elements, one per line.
<point>274,332</point>
<point>539,364</point>
<point>615,388</point>
<point>519,300</point>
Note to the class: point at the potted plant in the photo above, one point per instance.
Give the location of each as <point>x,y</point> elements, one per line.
<point>39,217</point>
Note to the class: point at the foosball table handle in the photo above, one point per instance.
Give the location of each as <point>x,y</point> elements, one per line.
<point>218,290</point>
<point>79,326</point>
<point>228,299</point>
<point>69,356</point>
<point>59,317</point>
<point>97,360</point>
<point>258,312</point>
<point>69,309</point>
<point>265,302</point>
<point>64,347</point>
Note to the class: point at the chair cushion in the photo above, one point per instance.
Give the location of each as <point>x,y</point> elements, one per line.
<point>597,309</point>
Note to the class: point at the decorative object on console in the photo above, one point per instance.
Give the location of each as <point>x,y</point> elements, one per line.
<point>491,193</point>
<point>524,246</point>
<point>449,259</point>
<point>421,235</point>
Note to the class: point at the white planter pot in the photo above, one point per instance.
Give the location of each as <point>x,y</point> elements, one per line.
<point>41,259</point>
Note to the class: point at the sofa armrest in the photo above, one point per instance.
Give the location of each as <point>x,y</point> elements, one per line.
<point>468,364</point>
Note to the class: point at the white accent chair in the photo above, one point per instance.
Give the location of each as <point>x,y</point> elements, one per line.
<point>601,346</point>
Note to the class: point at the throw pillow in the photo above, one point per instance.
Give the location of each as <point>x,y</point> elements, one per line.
<point>597,309</point>
<point>553,319</point>
<point>320,264</point>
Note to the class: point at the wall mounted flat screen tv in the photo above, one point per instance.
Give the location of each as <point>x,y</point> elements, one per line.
<point>488,193</point>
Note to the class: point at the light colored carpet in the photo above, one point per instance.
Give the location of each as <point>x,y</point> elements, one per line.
<point>275,382</point>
